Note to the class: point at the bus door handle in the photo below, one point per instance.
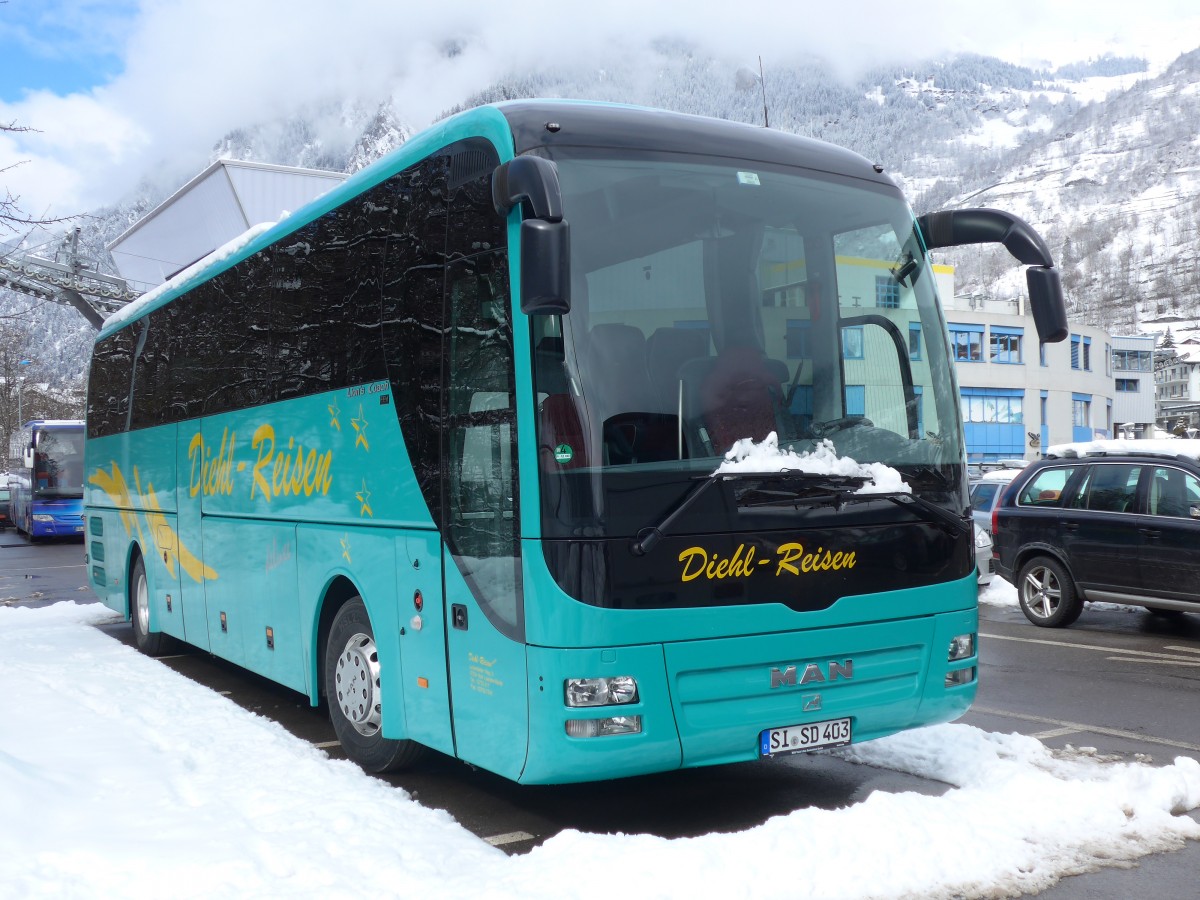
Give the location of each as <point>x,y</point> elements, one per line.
<point>458,616</point>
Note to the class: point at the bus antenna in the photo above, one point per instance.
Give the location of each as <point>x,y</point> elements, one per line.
<point>763,85</point>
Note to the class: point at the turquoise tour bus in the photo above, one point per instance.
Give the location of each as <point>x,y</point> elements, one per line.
<point>572,440</point>
<point>46,490</point>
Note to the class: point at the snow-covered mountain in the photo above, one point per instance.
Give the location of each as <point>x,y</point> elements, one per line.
<point>1100,156</point>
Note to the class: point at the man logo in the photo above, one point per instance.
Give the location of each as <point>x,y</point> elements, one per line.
<point>812,673</point>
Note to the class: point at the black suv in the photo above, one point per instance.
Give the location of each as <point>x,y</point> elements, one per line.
<point>1121,527</point>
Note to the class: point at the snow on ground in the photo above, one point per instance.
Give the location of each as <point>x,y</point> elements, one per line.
<point>121,778</point>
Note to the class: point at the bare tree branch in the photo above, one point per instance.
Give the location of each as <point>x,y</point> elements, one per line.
<point>12,217</point>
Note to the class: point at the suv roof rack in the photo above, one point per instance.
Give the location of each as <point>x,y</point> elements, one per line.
<point>1162,449</point>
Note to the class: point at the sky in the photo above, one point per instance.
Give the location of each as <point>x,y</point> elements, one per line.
<point>121,778</point>
<point>117,89</point>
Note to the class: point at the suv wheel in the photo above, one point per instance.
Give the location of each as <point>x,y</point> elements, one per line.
<point>1047,593</point>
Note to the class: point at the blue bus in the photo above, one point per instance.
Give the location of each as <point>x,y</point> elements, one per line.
<point>443,449</point>
<point>46,491</point>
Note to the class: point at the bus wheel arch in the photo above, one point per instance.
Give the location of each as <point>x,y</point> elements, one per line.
<point>350,681</point>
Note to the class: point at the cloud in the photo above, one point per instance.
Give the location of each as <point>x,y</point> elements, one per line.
<point>194,69</point>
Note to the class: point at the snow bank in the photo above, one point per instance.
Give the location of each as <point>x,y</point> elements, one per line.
<point>121,778</point>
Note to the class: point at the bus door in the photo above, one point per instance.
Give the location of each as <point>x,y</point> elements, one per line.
<point>191,580</point>
<point>485,627</point>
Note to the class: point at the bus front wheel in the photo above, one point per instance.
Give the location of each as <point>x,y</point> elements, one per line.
<point>353,688</point>
<point>152,643</point>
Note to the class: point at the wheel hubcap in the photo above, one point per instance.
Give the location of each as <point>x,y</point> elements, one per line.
<point>142,602</point>
<point>1042,593</point>
<point>356,680</point>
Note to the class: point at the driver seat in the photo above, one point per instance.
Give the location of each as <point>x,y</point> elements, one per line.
<point>741,397</point>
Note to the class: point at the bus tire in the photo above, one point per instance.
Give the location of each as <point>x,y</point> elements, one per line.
<point>152,643</point>
<point>352,688</point>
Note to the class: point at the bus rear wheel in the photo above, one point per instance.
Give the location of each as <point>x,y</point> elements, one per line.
<point>152,643</point>
<point>353,688</point>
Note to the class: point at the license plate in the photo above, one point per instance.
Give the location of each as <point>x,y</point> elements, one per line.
<point>801,738</point>
<point>79,528</point>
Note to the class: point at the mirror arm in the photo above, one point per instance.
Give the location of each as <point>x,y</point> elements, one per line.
<point>528,179</point>
<point>956,227</point>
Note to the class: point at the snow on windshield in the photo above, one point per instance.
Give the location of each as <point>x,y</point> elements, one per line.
<point>748,455</point>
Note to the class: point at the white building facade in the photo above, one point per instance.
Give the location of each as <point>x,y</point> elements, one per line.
<point>1018,396</point>
<point>1177,386</point>
<point>1133,385</point>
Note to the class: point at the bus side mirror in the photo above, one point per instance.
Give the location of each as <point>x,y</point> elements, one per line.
<point>545,267</point>
<point>956,227</point>
<point>1047,304</point>
<point>545,238</point>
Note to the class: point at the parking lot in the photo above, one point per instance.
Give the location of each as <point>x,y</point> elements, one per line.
<point>1114,685</point>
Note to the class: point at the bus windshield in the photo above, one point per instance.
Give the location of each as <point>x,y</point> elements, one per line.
<point>715,300</point>
<point>58,464</point>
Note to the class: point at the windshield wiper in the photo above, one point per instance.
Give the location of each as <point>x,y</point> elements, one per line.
<point>836,491</point>
<point>648,537</point>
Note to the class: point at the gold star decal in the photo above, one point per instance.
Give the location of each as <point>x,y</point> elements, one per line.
<point>345,541</point>
<point>334,412</point>
<point>364,497</point>
<point>360,427</point>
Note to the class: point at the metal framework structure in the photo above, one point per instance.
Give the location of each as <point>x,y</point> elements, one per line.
<point>66,279</point>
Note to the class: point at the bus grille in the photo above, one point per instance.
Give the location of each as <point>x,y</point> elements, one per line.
<point>724,692</point>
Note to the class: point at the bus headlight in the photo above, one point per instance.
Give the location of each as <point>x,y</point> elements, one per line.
<point>601,691</point>
<point>961,647</point>
<point>41,517</point>
<point>584,728</point>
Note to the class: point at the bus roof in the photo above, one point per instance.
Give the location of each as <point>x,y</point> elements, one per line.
<point>607,125</point>
<point>516,127</point>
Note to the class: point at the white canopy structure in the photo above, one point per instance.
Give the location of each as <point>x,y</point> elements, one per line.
<point>223,201</point>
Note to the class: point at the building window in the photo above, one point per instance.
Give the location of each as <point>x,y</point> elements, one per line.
<point>1042,355</point>
<point>856,399</point>
<point>1075,351</point>
<point>1081,412</point>
<point>1087,354</point>
<point>1005,345</point>
<point>796,339</point>
<point>852,342</point>
<point>995,405</point>
<point>914,340</point>
<point>1127,385</point>
<point>887,292</point>
<point>1133,360</point>
<point>966,342</point>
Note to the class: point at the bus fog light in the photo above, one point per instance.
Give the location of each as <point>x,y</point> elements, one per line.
<point>960,677</point>
<point>962,647</point>
<point>586,728</point>
<point>601,691</point>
